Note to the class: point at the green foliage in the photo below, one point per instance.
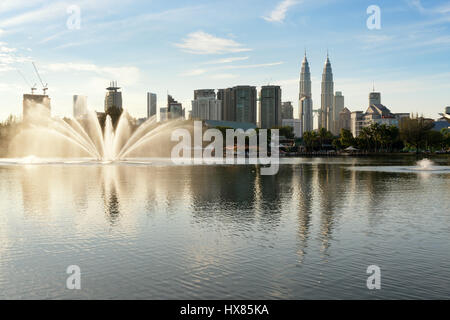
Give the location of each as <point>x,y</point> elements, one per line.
<point>415,132</point>
<point>287,132</point>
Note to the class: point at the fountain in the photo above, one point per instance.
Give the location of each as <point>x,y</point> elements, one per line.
<point>425,164</point>
<point>44,137</point>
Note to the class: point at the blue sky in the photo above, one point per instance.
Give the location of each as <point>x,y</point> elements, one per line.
<point>179,46</point>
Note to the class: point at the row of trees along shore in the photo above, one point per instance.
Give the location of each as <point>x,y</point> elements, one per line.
<point>414,134</point>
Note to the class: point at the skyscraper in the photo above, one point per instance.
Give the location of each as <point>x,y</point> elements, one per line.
<point>327,97</point>
<point>338,107</point>
<point>305,80</point>
<point>113,98</point>
<point>79,106</point>
<point>270,107</point>
<point>305,97</point>
<point>244,102</point>
<point>238,104</point>
<point>287,110</point>
<point>306,114</point>
<point>205,106</point>
<point>228,109</point>
<point>374,98</point>
<point>151,104</point>
<point>174,108</point>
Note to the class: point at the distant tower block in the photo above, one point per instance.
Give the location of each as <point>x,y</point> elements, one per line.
<point>79,106</point>
<point>113,102</point>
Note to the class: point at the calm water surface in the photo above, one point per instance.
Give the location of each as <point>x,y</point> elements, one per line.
<point>225,232</point>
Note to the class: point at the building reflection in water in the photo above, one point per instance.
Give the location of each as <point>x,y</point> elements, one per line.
<point>236,197</point>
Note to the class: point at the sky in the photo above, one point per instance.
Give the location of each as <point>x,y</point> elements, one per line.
<point>178,46</point>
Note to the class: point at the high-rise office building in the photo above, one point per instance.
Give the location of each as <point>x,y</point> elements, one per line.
<point>79,106</point>
<point>270,107</point>
<point>374,98</point>
<point>204,93</point>
<point>163,114</point>
<point>244,102</point>
<point>205,106</point>
<point>327,97</point>
<point>174,108</point>
<point>338,107</point>
<point>228,108</point>
<point>306,114</point>
<point>151,104</point>
<point>238,104</point>
<point>287,110</point>
<point>113,98</point>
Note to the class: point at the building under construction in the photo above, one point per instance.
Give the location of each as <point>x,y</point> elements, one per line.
<point>36,105</point>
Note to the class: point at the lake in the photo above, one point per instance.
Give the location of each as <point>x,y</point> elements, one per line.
<point>153,230</point>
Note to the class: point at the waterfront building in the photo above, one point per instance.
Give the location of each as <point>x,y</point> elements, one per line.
<point>151,104</point>
<point>287,110</point>
<point>270,107</point>
<point>357,122</point>
<point>79,106</point>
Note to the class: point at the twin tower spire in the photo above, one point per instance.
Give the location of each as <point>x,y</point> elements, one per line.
<point>326,112</point>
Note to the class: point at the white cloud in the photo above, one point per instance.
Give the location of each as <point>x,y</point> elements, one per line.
<point>224,76</point>
<point>197,72</point>
<point>203,43</point>
<point>48,12</point>
<point>127,75</point>
<point>279,13</point>
<point>227,60</point>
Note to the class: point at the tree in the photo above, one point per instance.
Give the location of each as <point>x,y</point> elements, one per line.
<point>346,139</point>
<point>311,140</point>
<point>414,131</point>
<point>434,140</point>
<point>286,131</point>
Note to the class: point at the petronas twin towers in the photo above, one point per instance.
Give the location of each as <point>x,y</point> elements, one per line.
<point>326,112</point>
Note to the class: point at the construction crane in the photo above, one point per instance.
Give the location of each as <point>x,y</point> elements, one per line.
<point>33,88</point>
<point>44,86</point>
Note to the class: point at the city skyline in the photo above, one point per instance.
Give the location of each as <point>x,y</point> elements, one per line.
<point>406,58</point>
